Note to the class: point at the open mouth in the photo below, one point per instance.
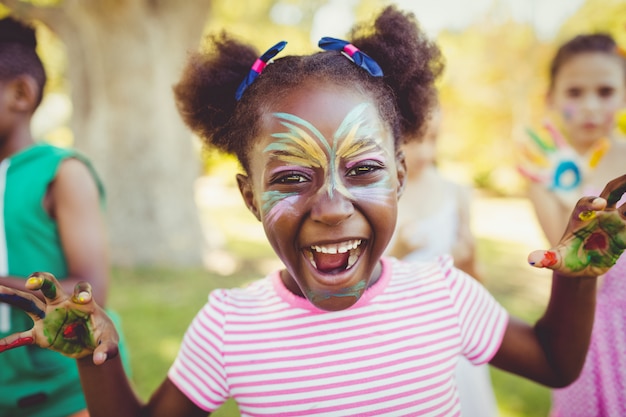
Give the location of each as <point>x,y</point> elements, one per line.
<point>334,258</point>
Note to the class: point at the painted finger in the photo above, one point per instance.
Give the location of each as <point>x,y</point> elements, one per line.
<point>26,302</point>
<point>559,140</point>
<point>47,283</point>
<point>16,340</point>
<point>545,259</point>
<point>542,144</point>
<point>614,190</point>
<point>622,210</point>
<point>585,211</point>
<point>82,293</point>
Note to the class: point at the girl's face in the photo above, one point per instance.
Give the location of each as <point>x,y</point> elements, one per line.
<point>588,90</point>
<point>324,181</point>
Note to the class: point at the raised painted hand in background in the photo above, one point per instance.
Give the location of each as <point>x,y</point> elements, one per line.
<point>595,236</point>
<point>555,163</point>
<point>72,325</point>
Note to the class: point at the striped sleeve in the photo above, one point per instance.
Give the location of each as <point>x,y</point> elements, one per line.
<point>482,319</point>
<point>198,370</point>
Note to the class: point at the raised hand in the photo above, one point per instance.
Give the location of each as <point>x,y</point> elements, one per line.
<point>555,164</point>
<point>595,236</point>
<point>72,325</point>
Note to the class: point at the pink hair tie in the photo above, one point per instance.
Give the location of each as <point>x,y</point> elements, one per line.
<point>257,67</point>
<point>350,49</point>
<point>353,53</point>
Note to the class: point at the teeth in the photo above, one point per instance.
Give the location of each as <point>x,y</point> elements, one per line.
<point>337,248</point>
<point>354,255</point>
<point>352,246</point>
<point>311,259</point>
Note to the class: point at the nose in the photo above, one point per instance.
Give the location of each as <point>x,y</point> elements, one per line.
<point>331,207</point>
<point>591,102</point>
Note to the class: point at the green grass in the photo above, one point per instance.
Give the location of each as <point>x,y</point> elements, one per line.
<point>523,291</point>
<point>156,306</point>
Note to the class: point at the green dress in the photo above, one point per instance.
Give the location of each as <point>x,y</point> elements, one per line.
<point>34,382</point>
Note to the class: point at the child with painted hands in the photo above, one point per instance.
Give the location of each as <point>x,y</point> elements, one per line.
<point>586,92</point>
<point>341,329</point>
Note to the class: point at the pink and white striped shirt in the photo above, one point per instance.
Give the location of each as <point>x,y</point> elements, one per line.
<point>392,353</point>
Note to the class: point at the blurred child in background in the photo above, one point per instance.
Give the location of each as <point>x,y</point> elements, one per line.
<point>587,89</point>
<point>51,220</point>
<point>436,225</point>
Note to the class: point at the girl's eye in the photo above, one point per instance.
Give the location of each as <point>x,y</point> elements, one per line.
<point>290,178</point>
<point>574,92</point>
<point>363,169</point>
<point>606,92</point>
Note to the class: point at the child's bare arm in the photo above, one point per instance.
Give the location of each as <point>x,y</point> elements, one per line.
<point>553,351</point>
<point>550,211</point>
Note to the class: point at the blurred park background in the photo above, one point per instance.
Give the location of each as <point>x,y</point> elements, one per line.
<point>177,225</point>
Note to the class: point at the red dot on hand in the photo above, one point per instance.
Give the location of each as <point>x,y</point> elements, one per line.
<point>597,241</point>
<point>549,258</point>
<point>70,331</point>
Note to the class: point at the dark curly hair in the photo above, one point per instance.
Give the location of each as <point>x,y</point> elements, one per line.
<point>585,43</point>
<point>411,62</point>
<point>18,54</point>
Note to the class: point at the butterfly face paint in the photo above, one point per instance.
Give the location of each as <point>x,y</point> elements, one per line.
<point>306,148</point>
<point>326,177</point>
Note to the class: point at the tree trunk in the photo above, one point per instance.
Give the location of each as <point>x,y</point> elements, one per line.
<point>123,59</point>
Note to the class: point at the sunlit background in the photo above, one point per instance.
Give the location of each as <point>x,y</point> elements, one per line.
<point>496,53</point>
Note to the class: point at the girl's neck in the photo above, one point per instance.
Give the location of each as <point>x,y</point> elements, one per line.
<point>19,139</point>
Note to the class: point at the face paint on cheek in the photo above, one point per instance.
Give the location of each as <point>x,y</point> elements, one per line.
<point>379,192</point>
<point>276,204</point>
<point>568,112</point>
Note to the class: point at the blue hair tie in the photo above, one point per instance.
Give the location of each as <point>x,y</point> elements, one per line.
<point>258,66</point>
<point>353,53</point>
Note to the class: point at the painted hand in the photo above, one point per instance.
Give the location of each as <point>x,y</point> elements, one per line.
<point>555,164</point>
<point>595,236</point>
<point>72,325</point>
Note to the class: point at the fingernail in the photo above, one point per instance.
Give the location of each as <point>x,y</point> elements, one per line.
<point>82,297</point>
<point>99,357</point>
<point>587,215</point>
<point>35,281</point>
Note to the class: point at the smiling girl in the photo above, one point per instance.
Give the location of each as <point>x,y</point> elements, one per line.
<point>340,330</point>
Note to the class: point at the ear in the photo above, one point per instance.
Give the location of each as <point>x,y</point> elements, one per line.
<point>247,192</point>
<point>24,93</point>
<point>401,171</point>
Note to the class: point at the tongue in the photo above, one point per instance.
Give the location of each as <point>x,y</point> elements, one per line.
<point>327,262</point>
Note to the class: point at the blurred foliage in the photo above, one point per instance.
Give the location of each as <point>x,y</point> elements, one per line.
<point>265,22</point>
